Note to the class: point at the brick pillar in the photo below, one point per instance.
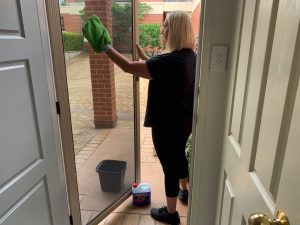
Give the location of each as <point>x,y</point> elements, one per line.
<point>102,71</point>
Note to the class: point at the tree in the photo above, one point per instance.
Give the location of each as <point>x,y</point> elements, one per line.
<point>143,8</point>
<point>122,22</point>
<point>150,37</point>
<point>82,14</point>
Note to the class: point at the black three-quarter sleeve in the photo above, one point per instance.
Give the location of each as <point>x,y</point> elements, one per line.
<point>165,68</point>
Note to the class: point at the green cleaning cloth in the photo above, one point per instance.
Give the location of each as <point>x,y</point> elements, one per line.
<point>97,35</point>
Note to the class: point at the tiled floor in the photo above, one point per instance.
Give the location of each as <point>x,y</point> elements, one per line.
<point>151,172</point>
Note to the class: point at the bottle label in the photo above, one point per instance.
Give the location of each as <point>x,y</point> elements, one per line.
<point>141,199</point>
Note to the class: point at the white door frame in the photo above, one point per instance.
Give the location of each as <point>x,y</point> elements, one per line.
<point>216,22</point>
<point>61,86</point>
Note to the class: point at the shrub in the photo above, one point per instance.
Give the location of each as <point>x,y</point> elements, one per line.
<point>150,38</point>
<point>72,41</point>
<point>122,22</point>
<point>188,149</point>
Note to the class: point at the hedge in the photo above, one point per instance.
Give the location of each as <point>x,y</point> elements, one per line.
<point>72,41</point>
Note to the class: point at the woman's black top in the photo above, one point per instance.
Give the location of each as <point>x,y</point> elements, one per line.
<point>171,90</point>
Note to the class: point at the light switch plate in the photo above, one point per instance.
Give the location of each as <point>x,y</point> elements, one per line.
<point>218,58</point>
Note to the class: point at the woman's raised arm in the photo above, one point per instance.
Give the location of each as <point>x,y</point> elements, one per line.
<point>138,68</point>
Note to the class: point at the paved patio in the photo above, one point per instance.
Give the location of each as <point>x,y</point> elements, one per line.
<point>88,140</point>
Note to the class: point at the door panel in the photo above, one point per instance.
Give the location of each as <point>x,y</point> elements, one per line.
<point>288,197</point>
<point>227,205</point>
<point>259,161</point>
<point>32,187</point>
<point>16,75</point>
<point>31,207</point>
<point>241,79</point>
<point>279,74</point>
<point>11,14</point>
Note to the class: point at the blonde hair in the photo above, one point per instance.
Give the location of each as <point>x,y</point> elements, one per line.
<point>181,34</point>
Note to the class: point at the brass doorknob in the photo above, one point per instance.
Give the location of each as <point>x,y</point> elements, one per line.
<point>262,219</point>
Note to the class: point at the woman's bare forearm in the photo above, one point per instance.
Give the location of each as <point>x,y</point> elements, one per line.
<point>138,68</point>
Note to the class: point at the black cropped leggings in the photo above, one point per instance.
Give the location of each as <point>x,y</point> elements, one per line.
<point>170,145</point>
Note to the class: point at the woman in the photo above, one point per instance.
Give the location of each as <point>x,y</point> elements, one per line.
<point>169,105</point>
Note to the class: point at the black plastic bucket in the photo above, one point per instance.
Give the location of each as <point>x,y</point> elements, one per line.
<point>111,175</point>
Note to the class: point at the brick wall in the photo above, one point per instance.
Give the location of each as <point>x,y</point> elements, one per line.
<point>195,19</point>
<point>68,23</point>
<point>152,18</point>
<point>102,71</point>
<point>72,23</point>
<point>76,19</point>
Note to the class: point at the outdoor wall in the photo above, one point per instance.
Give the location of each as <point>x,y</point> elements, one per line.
<point>72,23</point>
<point>67,22</point>
<point>152,18</point>
<point>72,8</point>
<point>195,19</point>
<point>71,15</point>
<point>76,23</point>
<point>155,15</point>
<point>171,6</point>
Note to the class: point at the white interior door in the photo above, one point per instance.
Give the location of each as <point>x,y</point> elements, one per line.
<point>260,168</point>
<point>32,183</point>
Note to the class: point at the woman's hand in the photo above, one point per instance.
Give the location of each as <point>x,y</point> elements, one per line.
<point>142,55</point>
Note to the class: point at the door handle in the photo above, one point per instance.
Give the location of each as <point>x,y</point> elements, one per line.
<point>262,219</point>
